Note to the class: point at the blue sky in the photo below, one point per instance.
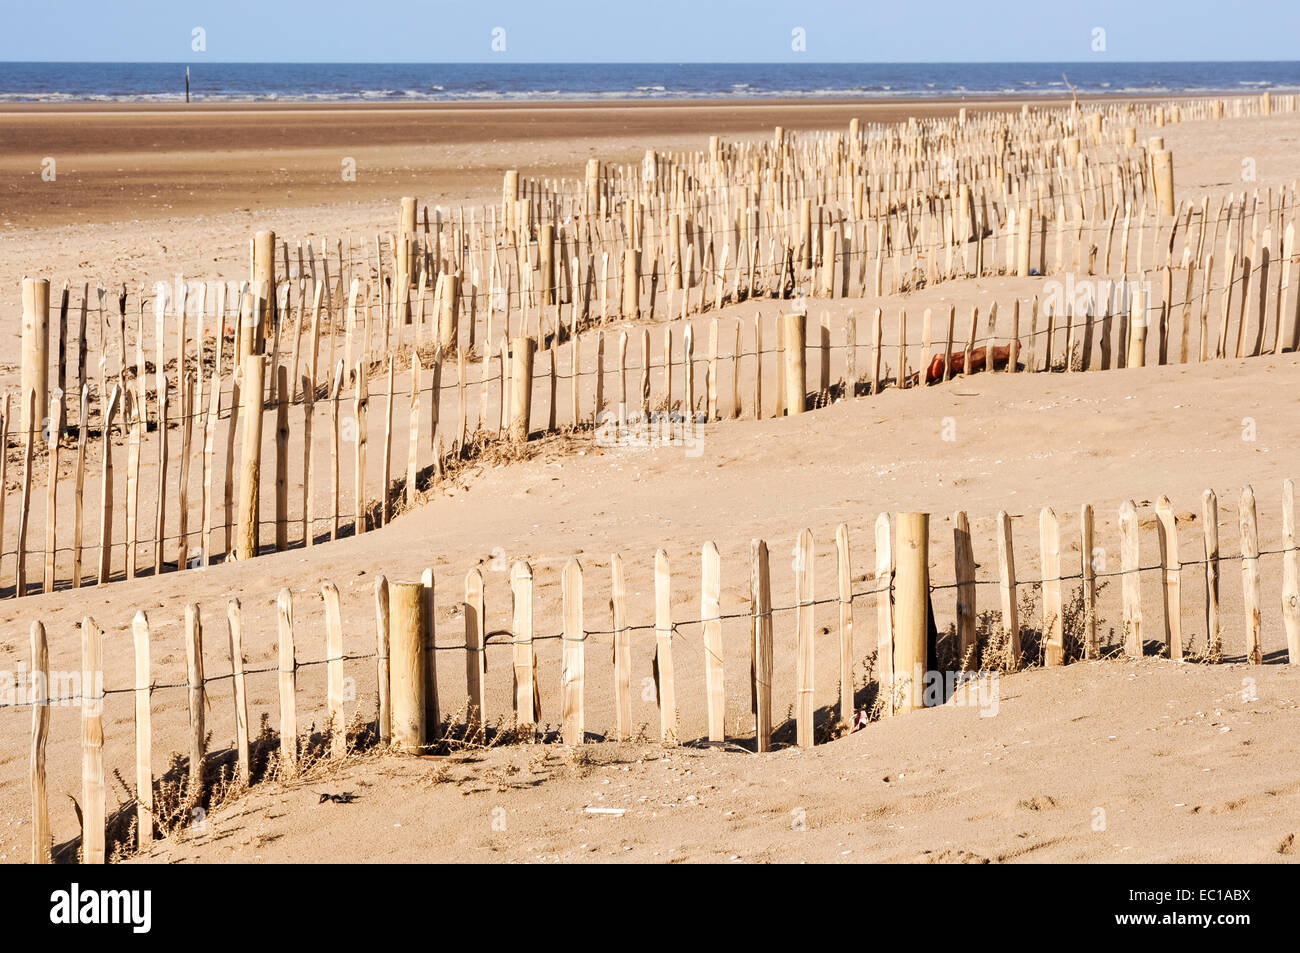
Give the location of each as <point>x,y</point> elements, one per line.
<point>656,31</point>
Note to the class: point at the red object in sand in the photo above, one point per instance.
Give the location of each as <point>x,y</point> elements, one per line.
<point>957,362</point>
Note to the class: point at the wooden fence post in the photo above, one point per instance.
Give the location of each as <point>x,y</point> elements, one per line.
<point>338,725</point>
<point>844,578</point>
<point>288,678</point>
<point>803,584</point>
<point>964,559</point>
<point>1162,166</point>
<point>521,387</point>
<point>631,305</point>
<point>1049,532</point>
<point>194,670</point>
<point>53,433</point>
<point>265,303</point>
<point>106,491</point>
<point>573,662</point>
<point>41,841</point>
<point>911,600</point>
<point>885,614</point>
<point>622,650</point>
<point>475,654</point>
<point>1290,574</point>
<point>407,666</point>
<point>1250,574</point>
<point>711,624</point>
<point>664,650</point>
<point>284,397</point>
<point>524,654</point>
<point>382,677</point>
<point>432,714</point>
<point>240,693</point>
<point>1210,529</point>
<point>448,313</point>
<point>1089,573</point>
<point>1167,524</point>
<point>794,329</point>
<point>1129,561</point>
<point>1007,572</point>
<point>760,611</point>
<point>92,743</point>
<point>250,475</point>
<point>35,350</point>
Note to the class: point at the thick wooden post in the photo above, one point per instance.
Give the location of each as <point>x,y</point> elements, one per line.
<point>406,243</point>
<point>264,285</point>
<point>35,344</point>
<point>521,387</point>
<point>1162,166</point>
<point>1137,334</point>
<point>250,476</point>
<point>406,669</point>
<point>794,329</point>
<point>631,308</point>
<point>911,605</point>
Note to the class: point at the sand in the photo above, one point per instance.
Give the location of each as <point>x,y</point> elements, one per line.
<point>961,787</point>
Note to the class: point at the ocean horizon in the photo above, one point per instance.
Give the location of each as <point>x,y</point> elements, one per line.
<point>558,82</point>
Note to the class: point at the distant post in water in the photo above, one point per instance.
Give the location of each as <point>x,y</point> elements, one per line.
<point>911,605</point>
<point>794,329</point>
<point>36,349</point>
<point>251,461</point>
<point>521,387</point>
<point>407,688</point>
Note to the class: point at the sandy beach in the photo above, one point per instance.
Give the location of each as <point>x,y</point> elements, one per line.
<point>144,193</point>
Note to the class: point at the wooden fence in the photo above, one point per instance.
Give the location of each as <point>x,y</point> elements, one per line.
<point>170,501</point>
<point>776,635</point>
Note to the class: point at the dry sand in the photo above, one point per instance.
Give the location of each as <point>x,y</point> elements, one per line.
<point>1174,785</point>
